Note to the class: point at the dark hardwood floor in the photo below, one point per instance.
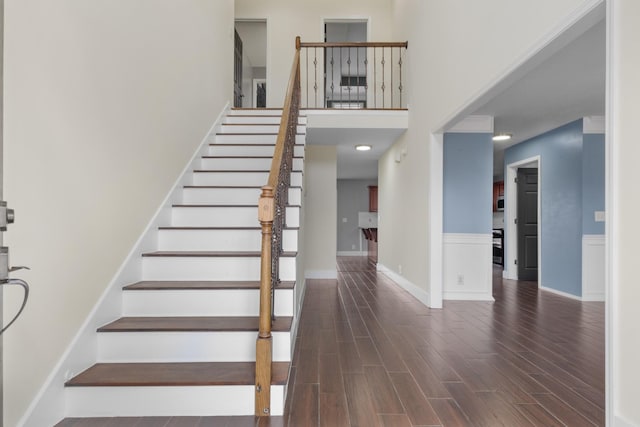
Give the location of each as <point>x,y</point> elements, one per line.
<point>369,354</point>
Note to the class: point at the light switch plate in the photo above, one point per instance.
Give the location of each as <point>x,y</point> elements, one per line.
<point>599,216</point>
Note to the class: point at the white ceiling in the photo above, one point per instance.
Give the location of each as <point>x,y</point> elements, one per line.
<point>354,164</point>
<point>569,85</point>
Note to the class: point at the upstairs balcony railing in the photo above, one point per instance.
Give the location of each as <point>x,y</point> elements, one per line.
<point>353,75</point>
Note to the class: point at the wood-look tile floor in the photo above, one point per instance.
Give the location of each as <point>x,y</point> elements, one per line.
<point>369,354</point>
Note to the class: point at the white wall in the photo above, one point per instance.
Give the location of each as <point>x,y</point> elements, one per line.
<point>287,19</point>
<point>321,207</point>
<point>105,103</point>
<point>454,53</point>
<point>622,205</point>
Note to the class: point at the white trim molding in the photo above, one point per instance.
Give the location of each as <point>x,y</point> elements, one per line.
<point>321,274</point>
<point>593,267</point>
<point>419,293</point>
<point>468,273</point>
<point>473,124</point>
<point>557,292</point>
<point>593,124</point>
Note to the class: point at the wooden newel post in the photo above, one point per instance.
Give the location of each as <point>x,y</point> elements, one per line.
<point>266,213</point>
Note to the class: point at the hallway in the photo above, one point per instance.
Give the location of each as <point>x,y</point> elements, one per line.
<point>369,354</point>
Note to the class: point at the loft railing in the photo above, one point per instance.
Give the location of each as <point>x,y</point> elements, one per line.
<point>271,214</point>
<point>353,75</point>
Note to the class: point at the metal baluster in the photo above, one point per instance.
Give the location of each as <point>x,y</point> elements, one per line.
<point>315,79</point>
<point>357,74</point>
<point>332,77</point>
<point>307,72</point>
<point>391,72</point>
<point>366,78</point>
<point>341,90</point>
<point>383,85</point>
<point>375,79</point>
<point>400,71</point>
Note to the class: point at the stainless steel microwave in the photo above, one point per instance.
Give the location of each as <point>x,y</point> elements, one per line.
<point>500,204</point>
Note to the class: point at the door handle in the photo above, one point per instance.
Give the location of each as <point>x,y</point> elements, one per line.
<point>25,286</point>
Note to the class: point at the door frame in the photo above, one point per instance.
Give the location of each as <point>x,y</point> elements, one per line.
<point>511,213</point>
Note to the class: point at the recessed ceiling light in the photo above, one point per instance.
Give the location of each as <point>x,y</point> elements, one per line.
<point>502,137</point>
<point>363,147</point>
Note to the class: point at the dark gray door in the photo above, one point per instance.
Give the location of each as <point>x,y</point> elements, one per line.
<point>528,224</point>
<point>237,71</point>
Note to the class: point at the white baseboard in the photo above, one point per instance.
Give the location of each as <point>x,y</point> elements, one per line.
<point>321,274</point>
<point>419,293</point>
<point>557,292</point>
<point>352,253</point>
<point>593,267</point>
<point>468,268</point>
<point>48,407</point>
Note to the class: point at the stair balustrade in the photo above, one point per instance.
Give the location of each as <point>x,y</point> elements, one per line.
<point>353,75</point>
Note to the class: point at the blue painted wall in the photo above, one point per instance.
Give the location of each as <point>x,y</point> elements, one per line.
<point>593,160</point>
<point>560,152</point>
<point>468,183</point>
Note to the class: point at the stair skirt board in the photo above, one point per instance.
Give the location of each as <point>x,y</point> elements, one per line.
<point>225,216</point>
<point>179,239</point>
<point>232,195</point>
<point>168,401</point>
<point>222,302</point>
<point>248,150</point>
<point>237,346</point>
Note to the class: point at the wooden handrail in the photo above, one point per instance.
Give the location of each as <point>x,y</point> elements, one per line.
<point>355,44</point>
<point>271,214</point>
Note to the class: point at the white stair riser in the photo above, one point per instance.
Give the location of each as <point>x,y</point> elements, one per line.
<point>225,216</point>
<point>266,128</point>
<point>250,139</point>
<point>167,401</point>
<point>193,302</point>
<point>249,150</point>
<point>152,347</point>
<point>230,196</point>
<point>259,164</point>
<point>270,120</point>
<point>211,268</point>
<point>240,178</point>
<point>220,240</point>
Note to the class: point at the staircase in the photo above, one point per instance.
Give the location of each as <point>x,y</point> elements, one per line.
<point>185,344</point>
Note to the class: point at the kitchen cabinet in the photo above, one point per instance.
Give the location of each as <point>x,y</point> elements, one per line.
<point>373,198</point>
<point>498,191</point>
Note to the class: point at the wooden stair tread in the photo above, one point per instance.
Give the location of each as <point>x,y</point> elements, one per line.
<point>218,228</point>
<point>222,206</point>
<point>192,324</point>
<point>237,170</point>
<point>205,254</point>
<point>254,133</point>
<point>185,421</point>
<point>244,157</point>
<point>174,374</point>
<point>233,186</point>
<point>156,285</point>
<point>226,144</point>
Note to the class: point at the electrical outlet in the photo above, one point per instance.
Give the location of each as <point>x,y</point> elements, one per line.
<point>460,279</point>
<point>353,247</point>
<point>344,219</point>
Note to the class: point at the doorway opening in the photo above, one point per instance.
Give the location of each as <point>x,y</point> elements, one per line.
<point>523,238</point>
<point>250,64</point>
<point>345,76</point>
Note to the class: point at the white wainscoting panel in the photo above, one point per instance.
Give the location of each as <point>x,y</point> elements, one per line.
<point>593,267</point>
<point>467,260</point>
